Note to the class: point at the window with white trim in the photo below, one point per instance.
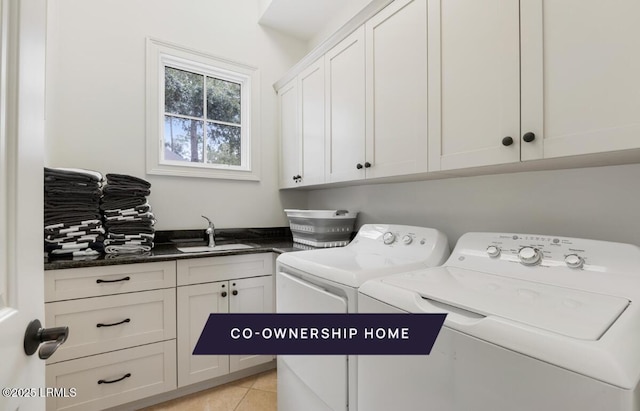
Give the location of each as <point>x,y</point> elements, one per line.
<point>201,114</point>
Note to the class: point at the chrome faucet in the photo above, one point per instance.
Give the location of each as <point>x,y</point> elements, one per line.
<point>210,231</point>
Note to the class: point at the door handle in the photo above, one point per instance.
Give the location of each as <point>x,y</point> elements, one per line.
<point>50,338</point>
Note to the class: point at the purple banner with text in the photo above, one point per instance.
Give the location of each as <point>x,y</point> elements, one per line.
<point>319,334</point>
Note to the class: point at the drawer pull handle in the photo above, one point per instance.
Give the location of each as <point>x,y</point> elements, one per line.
<point>113,281</point>
<point>128,320</point>
<point>127,375</point>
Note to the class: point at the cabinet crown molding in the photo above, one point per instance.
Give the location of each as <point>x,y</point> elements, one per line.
<point>349,27</point>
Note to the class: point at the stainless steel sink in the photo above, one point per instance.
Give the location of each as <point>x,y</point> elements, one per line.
<point>206,249</point>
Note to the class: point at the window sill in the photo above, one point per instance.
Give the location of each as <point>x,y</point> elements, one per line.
<point>221,174</point>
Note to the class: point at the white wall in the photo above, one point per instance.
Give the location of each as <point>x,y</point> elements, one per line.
<point>96,98</point>
<point>600,203</point>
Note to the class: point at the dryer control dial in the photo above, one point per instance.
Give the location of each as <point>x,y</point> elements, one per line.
<point>407,239</point>
<point>388,237</point>
<point>529,255</point>
<point>493,251</point>
<point>574,261</point>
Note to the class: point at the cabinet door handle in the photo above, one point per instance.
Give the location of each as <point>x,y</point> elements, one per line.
<point>235,292</point>
<point>295,178</point>
<point>529,137</point>
<point>359,166</point>
<point>367,164</point>
<point>507,141</point>
<point>127,320</point>
<point>127,375</point>
<point>113,281</point>
<point>223,294</point>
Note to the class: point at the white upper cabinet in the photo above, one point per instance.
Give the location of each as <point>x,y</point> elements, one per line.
<point>290,145</point>
<point>474,83</point>
<point>580,76</point>
<point>396,90</point>
<point>302,142</point>
<point>557,77</point>
<point>442,85</point>
<point>345,109</point>
<point>311,105</point>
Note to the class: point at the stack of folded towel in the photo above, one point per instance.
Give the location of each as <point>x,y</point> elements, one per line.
<point>128,218</point>
<point>72,219</point>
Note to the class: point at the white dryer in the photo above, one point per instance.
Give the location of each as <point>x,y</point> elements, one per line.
<point>533,323</point>
<point>326,281</point>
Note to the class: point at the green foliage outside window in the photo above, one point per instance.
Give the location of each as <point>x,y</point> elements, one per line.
<point>186,121</point>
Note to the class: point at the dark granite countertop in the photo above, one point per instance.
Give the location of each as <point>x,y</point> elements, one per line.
<point>276,240</point>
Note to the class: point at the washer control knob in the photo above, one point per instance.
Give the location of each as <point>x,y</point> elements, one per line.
<point>529,255</point>
<point>407,239</point>
<point>574,261</point>
<point>388,237</point>
<point>493,251</point>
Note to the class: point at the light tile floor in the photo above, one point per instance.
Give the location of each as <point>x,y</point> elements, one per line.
<point>255,393</point>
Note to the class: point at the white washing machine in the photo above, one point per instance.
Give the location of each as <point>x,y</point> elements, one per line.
<point>533,323</point>
<point>326,281</point>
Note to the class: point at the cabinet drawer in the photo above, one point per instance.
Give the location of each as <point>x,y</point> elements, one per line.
<point>206,270</point>
<point>151,369</point>
<point>114,279</point>
<point>102,324</point>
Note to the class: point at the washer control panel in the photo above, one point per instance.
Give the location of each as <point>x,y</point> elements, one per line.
<point>564,261</point>
<point>531,250</point>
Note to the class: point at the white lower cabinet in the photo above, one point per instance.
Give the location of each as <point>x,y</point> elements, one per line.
<point>255,295</point>
<point>132,332</point>
<point>245,286</point>
<point>122,334</point>
<point>106,380</point>
<point>113,322</point>
<point>195,303</point>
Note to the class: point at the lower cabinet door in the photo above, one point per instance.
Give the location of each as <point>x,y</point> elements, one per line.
<point>107,380</point>
<point>195,303</point>
<point>250,295</point>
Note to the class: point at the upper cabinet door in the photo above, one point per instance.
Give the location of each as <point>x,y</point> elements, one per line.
<point>289,137</point>
<point>396,78</point>
<point>580,76</point>
<point>312,105</point>
<point>474,83</point>
<point>345,109</point>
